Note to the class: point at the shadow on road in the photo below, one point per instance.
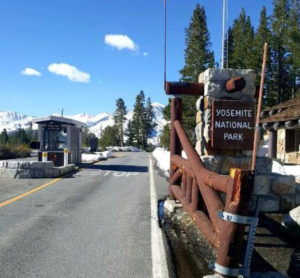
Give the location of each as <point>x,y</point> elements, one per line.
<point>116,168</point>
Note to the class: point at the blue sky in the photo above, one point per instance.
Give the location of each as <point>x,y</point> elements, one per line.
<point>58,54</point>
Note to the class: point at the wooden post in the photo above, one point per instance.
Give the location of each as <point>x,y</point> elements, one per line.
<point>175,146</point>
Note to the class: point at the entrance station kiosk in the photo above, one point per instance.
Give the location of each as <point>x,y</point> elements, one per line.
<point>60,140</point>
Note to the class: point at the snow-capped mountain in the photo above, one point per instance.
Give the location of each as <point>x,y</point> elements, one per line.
<point>96,123</point>
<point>13,121</point>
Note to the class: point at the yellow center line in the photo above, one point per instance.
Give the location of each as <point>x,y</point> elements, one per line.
<point>38,188</point>
<point>23,195</point>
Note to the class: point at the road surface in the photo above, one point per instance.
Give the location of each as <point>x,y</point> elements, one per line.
<point>94,223</point>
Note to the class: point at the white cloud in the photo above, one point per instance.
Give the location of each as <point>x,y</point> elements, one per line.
<point>121,42</point>
<point>69,71</point>
<point>145,53</point>
<point>30,71</point>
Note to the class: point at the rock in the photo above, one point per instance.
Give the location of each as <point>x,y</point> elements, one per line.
<point>199,117</point>
<point>266,205</point>
<point>199,104</point>
<point>263,165</point>
<point>216,74</point>
<point>262,185</point>
<point>212,162</point>
<point>248,74</point>
<point>201,77</point>
<point>283,184</point>
<point>199,147</point>
<point>214,89</point>
<point>287,201</point>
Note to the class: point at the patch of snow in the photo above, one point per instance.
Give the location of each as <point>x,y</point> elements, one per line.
<point>107,154</point>
<point>90,157</point>
<point>162,158</point>
<point>279,168</point>
<point>295,215</point>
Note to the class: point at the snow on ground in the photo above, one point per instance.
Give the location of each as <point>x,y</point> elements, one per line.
<point>282,169</point>
<point>162,158</point>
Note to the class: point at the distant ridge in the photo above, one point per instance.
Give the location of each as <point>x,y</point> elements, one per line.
<point>96,123</point>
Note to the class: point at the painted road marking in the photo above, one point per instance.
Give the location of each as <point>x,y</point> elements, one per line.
<point>117,174</point>
<point>34,190</point>
<point>159,261</point>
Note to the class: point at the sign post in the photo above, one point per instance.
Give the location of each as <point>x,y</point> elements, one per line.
<point>44,156</point>
<point>66,157</point>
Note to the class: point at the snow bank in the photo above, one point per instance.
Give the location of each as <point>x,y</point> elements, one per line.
<point>293,170</point>
<point>162,158</point>
<point>90,157</point>
<point>107,154</point>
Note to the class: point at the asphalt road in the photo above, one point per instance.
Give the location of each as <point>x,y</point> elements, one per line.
<point>94,223</point>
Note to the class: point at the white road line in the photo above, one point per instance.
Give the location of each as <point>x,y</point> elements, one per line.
<point>159,261</point>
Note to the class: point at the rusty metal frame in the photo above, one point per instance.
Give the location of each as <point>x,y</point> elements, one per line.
<point>199,191</point>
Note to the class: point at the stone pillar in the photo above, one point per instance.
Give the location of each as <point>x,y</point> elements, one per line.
<point>215,89</point>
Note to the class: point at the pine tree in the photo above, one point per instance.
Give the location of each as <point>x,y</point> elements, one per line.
<point>228,47</point>
<point>279,46</point>
<point>148,124</point>
<point>20,137</point>
<point>242,43</point>
<point>3,138</point>
<point>198,57</point>
<point>137,119</point>
<point>294,47</point>
<point>119,118</point>
<point>130,134</point>
<point>263,35</point>
<point>109,138</point>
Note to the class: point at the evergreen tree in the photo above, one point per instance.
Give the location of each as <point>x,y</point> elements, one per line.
<point>20,137</point>
<point>242,43</point>
<point>164,139</point>
<point>198,57</point>
<point>263,35</point>
<point>119,118</point>
<point>109,138</point>
<point>228,47</point>
<point>3,138</point>
<point>84,137</point>
<point>294,47</point>
<point>130,134</point>
<point>279,49</point>
<point>138,120</point>
<point>148,124</point>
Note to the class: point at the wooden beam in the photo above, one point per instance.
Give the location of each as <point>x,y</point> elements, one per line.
<point>185,88</point>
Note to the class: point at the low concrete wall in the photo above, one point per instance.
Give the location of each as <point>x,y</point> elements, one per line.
<point>32,169</point>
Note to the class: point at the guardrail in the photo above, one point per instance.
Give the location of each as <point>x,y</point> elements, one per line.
<point>218,204</point>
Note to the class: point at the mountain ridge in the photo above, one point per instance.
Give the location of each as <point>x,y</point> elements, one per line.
<point>12,121</point>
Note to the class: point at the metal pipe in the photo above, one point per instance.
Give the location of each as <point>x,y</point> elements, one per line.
<point>223,33</point>
<point>262,80</point>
